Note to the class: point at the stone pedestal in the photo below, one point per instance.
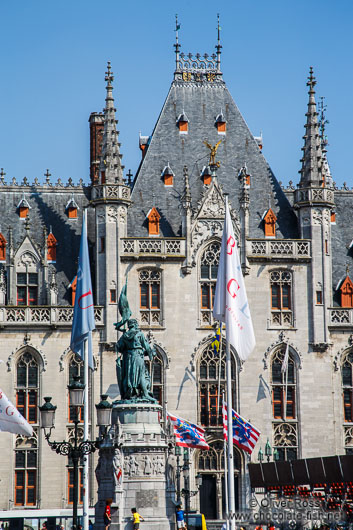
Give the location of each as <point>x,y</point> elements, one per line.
<point>132,469</point>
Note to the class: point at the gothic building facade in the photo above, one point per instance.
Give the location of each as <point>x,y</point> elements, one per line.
<point>162,229</point>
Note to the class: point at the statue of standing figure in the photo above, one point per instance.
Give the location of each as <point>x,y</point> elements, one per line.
<point>132,373</point>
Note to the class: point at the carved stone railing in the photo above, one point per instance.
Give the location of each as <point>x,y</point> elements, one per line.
<point>340,317</point>
<point>293,249</point>
<point>147,246</point>
<point>281,318</point>
<point>111,191</point>
<point>54,316</point>
<point>314,195</point>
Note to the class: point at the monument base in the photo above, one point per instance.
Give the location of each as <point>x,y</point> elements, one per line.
<point>132,469</point>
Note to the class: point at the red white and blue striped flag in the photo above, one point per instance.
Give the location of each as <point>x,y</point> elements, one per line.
<point>188,434</point>
<point>245,435</point>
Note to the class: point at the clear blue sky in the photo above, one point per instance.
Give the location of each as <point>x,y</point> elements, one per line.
<point>54,54</point>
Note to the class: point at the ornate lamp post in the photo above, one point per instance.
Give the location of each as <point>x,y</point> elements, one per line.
<point>186,492</point>
<point>76,450</point>
<point>260,456</point>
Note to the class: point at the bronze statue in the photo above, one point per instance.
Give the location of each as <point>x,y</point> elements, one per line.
<point>132,374</point>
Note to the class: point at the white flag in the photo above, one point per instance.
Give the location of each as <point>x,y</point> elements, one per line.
<point>10,418</point>
<point>231,303</point>
<point>285,360</point>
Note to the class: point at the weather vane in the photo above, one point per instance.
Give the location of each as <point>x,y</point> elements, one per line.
<point>213,151</point>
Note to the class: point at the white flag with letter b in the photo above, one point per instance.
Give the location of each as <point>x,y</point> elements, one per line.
<point>231,303</point>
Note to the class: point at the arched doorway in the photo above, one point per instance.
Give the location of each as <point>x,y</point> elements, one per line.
<point>212,491</point>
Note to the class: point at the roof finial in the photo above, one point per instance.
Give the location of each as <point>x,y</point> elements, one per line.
<point>109,77</point>
<point>347,269</point>
<point>47,176</point>
<point>218,46</point>
<point>311,81</point>
<point>177,45</point>
<point>2,174</point>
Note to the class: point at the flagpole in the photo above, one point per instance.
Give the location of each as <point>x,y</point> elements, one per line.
<point>225,469</point>
<point>219,364</point>
<point>85,424</point>
<point>231,494</point>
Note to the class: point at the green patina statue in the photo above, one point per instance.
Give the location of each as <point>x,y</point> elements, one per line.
<point>132,373</point>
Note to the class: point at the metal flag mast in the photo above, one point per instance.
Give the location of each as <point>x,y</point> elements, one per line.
<point>230,456</point>
<point>85,437</point>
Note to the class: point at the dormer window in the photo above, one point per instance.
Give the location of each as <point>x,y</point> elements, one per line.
<point>3,244</point>
<point>333,217</point>
<point>167,175</point>
<point>153,222</point>
<point>144,143</point>
<point>51,245</point>
<point>72,208</point>
<point>23,208</point>
<point>183,123</point>
<point>270,223</point>
<point>347,292</point>
<point>221,124</point>
<point>206,175</point>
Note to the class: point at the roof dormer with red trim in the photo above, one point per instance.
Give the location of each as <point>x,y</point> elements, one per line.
<point>167,175</point>
<point>269,220</point>
<point>23,208</point>
<point>346,290</point>
<point>51,246</point>
<point>72,208</point>
<point>3,244</point>
<point>221,124</point>
<point>183,123</point>
<point>153,222</point>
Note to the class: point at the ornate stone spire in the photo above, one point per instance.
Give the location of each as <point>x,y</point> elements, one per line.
<point>312,161</point>
<point>218,45</point>
<point>111,170</point>
<point>177,45</point>
<point>328,182</point>
<point>186,198</point>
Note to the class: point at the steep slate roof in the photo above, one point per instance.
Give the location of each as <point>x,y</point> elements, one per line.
<point>202,101</point>
<point>48,209</point>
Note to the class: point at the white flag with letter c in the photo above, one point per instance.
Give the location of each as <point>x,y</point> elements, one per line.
<point>231,303</point>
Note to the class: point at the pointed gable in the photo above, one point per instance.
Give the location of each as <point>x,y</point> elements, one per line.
<point>346,290</point>
<point>153,222</point>
<point>270,223</point>
<point>51,245</point>
<point>3,244</point>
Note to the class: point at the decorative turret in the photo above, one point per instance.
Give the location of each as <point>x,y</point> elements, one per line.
<point>111,170</point>
<point>313,186</point>
<point>311,171</point>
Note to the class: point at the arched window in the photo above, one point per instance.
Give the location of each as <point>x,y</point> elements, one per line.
<point>208,277</point>
<point>26,470</point>
<point>75,369</point>
<point>150,297</point>
<point>156,370</point>
<point>281,298</point>
<point>284,403</point>
<point>27,386</point>
<point>211,385</point>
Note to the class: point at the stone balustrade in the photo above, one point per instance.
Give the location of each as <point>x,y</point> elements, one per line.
<point>146,246</point>
<point>54,316</point>
<point>293,249</point>
<point>340,317</point>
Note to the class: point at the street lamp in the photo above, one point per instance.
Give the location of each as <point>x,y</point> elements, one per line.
<point>268,450</point>
<point>186,492</point>
<point>178,455</point>
<point>260,456</point>
<point>76,450</point>
<point>275,454</point>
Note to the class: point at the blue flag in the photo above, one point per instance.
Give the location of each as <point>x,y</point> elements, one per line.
<point>83,321</point>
